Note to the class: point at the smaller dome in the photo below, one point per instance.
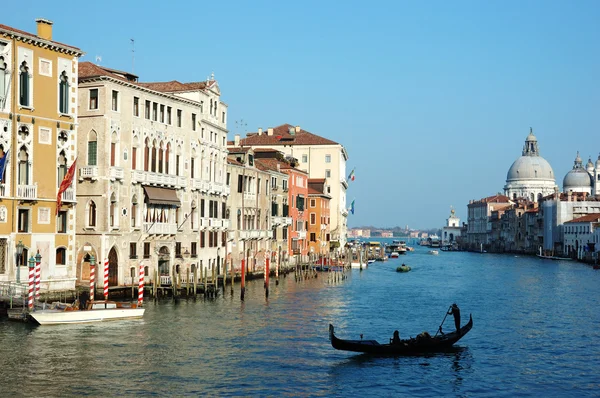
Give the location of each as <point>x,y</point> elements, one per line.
<point>598,162</point>
<point>577,180</point>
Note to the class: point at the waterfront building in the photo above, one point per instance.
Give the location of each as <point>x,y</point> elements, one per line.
<point>319,232</point>
<point>452,230</point>
<point>38,130</point>
<point>580,237</point>
<point>272,162</point>
<point>479,225</point>
<point>530,176</point>
<point>249,208</point>
<point>559,208</point>
<point>151,183</point>
<point>320,158</point>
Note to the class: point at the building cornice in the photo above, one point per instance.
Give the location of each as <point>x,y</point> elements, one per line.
<point>36,41</point>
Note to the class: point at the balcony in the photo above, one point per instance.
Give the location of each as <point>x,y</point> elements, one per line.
<point>116,173</point>
<point>249,196</point>
<point>344,182</point>
<point>88,172</point>
<point>148,177</point>
<point>200,185</point>
<point>226,190</point>
<point>28,192</point>
<point>158,228</point>
<point>216,188</point>
<point>68,195</point>
<point>301,234</point>
<point>281,221</point>
<point>344,212</point>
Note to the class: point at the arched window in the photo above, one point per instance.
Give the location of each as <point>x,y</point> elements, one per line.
<point>62,167</point>
<point>92,149</point>
<point>160,157</point>
<point>134,209</point>
<point>63,93</point>
<point>168,151</point>
<point>113,149</point>
<point>24,84</point>
<point>113,210</point>
<point>153,165</point>
<point>23,166</point>
<point>3,75</point>
<point>92,214</point>
<point>146,154</point>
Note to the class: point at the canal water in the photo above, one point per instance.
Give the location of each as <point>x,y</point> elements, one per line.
<point>536,333</point>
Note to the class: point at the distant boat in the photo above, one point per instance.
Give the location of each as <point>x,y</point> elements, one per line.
<point>540,255</point>
<point>434,252</point>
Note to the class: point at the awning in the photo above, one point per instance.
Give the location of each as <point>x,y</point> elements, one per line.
<point>161,196</point>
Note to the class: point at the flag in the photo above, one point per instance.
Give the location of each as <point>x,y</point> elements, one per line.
<point>66,183</point>
<point>3,162</point>
<point>352,207</point>
<point>351,176</point>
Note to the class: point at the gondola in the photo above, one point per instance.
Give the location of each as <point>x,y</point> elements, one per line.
<point>416,346</point>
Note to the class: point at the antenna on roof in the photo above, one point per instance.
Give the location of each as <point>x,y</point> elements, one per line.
<point>98,59</point>
<point>132,55</point>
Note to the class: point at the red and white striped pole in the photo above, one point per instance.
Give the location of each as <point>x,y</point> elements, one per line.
<point>141,285</point>
<point>31,285</point>
<point>92,281</point>
<point>38,275</point>
<point>106,279</point>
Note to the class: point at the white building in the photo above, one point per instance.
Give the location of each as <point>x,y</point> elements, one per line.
<point>320,158</point>
<point>580,235</point>
<point>152,164</point>
<point>530,176</point>
<point>451,230</point>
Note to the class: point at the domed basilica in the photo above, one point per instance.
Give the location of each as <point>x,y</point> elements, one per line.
<point>530,176</point>
<point>581,179</point>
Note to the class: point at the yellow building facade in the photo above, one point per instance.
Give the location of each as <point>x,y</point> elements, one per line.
<point>38,127</point>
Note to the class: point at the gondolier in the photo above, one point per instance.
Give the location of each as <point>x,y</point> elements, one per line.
<point>455,311</point>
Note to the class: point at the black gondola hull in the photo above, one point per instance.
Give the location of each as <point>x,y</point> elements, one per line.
<point>416,346</point>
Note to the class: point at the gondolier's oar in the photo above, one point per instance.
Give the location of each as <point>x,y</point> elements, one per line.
<point>443,320</point>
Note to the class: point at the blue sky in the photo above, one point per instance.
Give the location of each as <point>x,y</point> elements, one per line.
<point>433,100</point>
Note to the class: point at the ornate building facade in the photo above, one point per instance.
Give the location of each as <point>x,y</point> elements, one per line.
<point>151,180</point>
<point>38,130</point>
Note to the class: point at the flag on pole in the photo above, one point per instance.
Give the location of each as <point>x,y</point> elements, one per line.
<point>351,176</point>
<point>352,206</point>
<point>3,162</point>
<point>66,183</point>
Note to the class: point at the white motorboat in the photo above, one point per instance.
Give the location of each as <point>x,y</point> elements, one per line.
<point>97,311</point>
<point>434,252</point>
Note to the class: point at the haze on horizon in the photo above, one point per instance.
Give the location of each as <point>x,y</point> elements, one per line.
<point>432,100</point>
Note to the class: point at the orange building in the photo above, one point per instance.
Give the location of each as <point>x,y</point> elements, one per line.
<point>297,198</point>
<point>38,129</point>
<point>319,232</point>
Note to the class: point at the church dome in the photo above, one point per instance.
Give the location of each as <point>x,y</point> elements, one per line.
<point>530,168</point>
<point>578,179</point>
<point>530,176</point>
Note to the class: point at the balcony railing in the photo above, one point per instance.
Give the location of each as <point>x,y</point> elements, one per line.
<point>68,195</point>
<point>148,177</point>
<point>116,173</point>
<point>301,234</point>
<point>90,172</point>
<point>27,191</point>
<point>226,190</point>
<point>160,228</point>
<point>249,196</point>
<point>281,221</point>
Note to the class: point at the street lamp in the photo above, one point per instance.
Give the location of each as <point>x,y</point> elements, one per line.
<point>19,253</point>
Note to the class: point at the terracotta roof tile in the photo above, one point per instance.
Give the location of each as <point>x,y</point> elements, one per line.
<point>173,86</point>
<point>594,217</point>
<point>281,136</point>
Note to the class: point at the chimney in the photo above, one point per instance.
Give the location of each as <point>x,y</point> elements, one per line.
<point>236,139</point>
<point>259,131</point>
<point>278,167</point>
<point>297,129</point>
<point>270,131</point>
<point>44,28</point>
